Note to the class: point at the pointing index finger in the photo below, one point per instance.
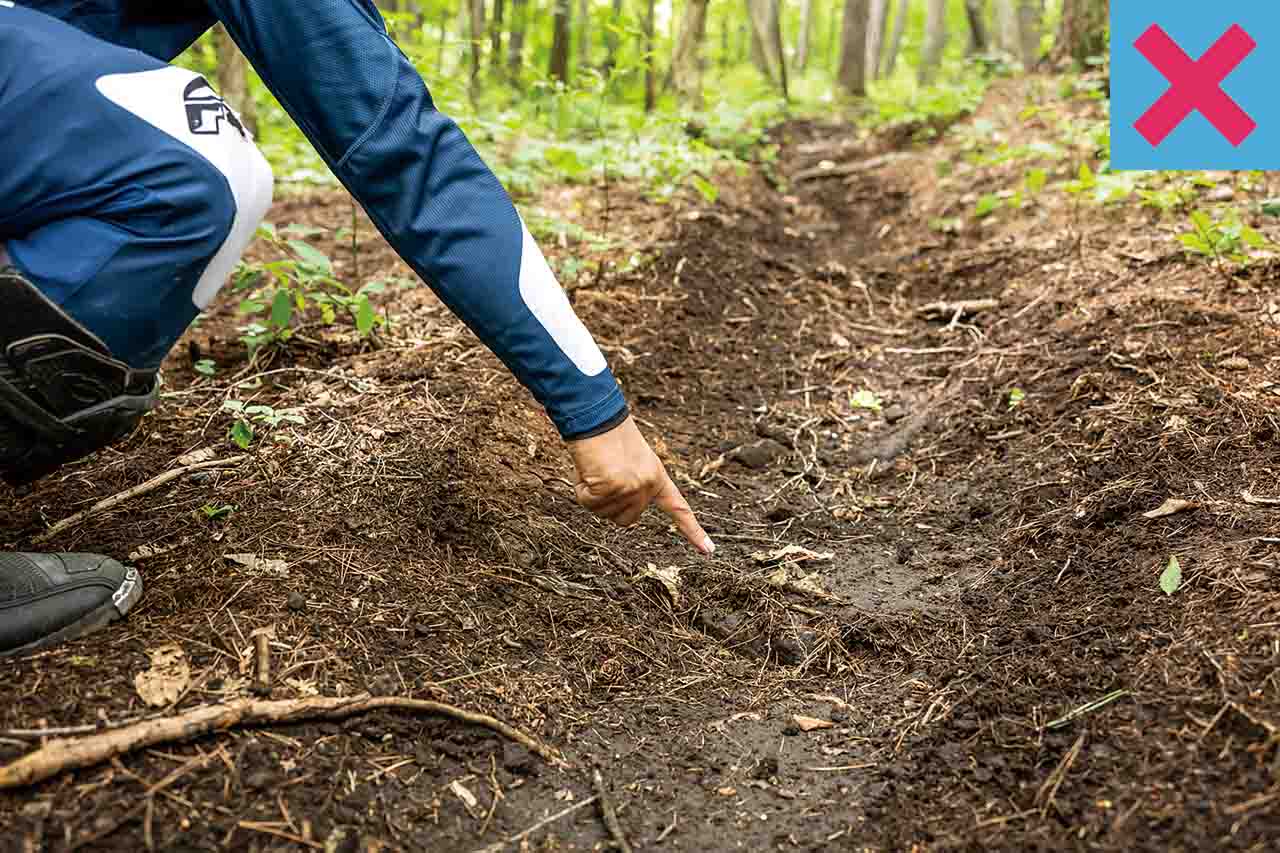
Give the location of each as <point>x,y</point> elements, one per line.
<point>673,504</point>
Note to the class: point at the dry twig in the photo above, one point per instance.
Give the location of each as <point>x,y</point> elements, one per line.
<point>609,815</point>
<point>58,756</point>
<point>129,494</point>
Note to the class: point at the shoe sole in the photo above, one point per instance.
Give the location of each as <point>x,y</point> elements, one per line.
<point>122,601</point>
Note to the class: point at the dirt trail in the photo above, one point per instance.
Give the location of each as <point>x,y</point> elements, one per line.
<point>990,572</point>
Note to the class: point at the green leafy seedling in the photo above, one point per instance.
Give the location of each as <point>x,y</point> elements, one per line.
<point>1171,577</point>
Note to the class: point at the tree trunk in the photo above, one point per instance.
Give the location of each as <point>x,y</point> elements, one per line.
<point>650,81</point>
<point>584,34</point>
<point>611,37</point>
<point>879,18</point>
<point>895,43</point>
<point>766,41</point>
<point>1082,32</point>
<point>1006,35</point>
<point>687,61</point>
<point>976,12</point>
<point>495,33</point>
<point>515,44</point>
<point>233,79</point>
<point>806,34</point>
<point>1030,21</point>
<point>853,47</point>
<point>935,40</point>
<point>475,34</point>
<point>559,66</point>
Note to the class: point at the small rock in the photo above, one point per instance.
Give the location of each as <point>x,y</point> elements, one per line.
<point>791,730</point>
<point>297,602</point>
<point>894,413</point>
<point>518,760</point>
<point>1222,193</point>
<point>759,454</point>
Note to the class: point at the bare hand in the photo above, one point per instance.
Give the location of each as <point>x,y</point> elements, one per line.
<point>619,475</point>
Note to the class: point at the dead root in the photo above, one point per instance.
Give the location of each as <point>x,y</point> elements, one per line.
<point>65,754</point>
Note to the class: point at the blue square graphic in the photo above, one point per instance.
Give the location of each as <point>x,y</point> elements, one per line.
<point>1137,84</point>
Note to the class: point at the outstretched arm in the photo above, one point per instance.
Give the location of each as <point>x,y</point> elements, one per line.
<point>363,105</point>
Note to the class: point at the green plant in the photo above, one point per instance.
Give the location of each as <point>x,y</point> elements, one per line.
<point>278,292</point>
<point>1222,241</point>
<point>215,512</point>
<point>243,430</point>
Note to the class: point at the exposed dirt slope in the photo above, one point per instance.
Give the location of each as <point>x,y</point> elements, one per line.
<point>991,572</point>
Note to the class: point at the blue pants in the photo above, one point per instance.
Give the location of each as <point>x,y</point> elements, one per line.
<point>128,190</point>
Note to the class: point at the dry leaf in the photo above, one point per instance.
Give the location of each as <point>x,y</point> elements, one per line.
<point>808,724</point>
<point>1251,498</point>
<point>1235,363</point>
<point>668,577</point>
<point>195,457</point>
<point>460,791</point>
<point>303,686</point>
<point>147,551</point>
<point>255,565</point>
<point>791,554</point>
<point>168,677</point>
<point>711,467</point>
<point>1170,507</point>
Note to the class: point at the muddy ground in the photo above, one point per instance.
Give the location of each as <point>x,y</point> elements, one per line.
<point>987,640</point>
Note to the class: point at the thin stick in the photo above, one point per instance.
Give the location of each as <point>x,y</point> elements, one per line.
<point>609,815</point>
<point>262,676</point>
<point>58,756</point>
<point>129,494</point>
<point>498,846</point>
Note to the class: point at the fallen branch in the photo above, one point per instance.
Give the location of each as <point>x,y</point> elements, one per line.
<point>61,755</point>
<point>609,815</point>
<point>498,846</point>
<point>129,494</point>
<point>958,308</point>
<point>827,169</point>
<point>1253,500</point>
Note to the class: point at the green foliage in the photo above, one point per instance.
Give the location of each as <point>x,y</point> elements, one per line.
<point>1223,239</point>
<point>277,293</point>
<point>1171,577</point>
<point>243,427</point>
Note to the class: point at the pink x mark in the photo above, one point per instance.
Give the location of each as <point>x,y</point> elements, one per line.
<point>1195,85</point>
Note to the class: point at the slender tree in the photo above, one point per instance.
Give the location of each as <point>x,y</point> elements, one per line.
<point>876,25</point>
<point>560,28</point>
<point>475,34</point>
<point>233,79</point>
<point>1030,15</point>
<point>935,39</point>
<point>495,34</point>
<point>766,41</point>
<point>611,37</point>
<point>687,61</point>
<point>853,47</point>
<point>976,14</point>
<point>584,34</point>
<point>890,60</point>
<point>650,75</point>
<point>515,44</point>
<point>1082,31</point>
<point>805,35</point>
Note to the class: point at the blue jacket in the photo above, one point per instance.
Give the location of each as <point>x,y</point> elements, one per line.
<point>362,104</point>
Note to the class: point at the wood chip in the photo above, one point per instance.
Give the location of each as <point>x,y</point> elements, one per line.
<point>1170,507</point>
<point>809,724</point>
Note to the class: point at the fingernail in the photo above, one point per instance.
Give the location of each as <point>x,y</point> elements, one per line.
<point>708,546</point>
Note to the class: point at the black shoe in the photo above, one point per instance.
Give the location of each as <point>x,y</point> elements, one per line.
<point>46,599</point>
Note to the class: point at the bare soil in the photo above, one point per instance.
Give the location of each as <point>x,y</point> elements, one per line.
<point>991,581</point>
